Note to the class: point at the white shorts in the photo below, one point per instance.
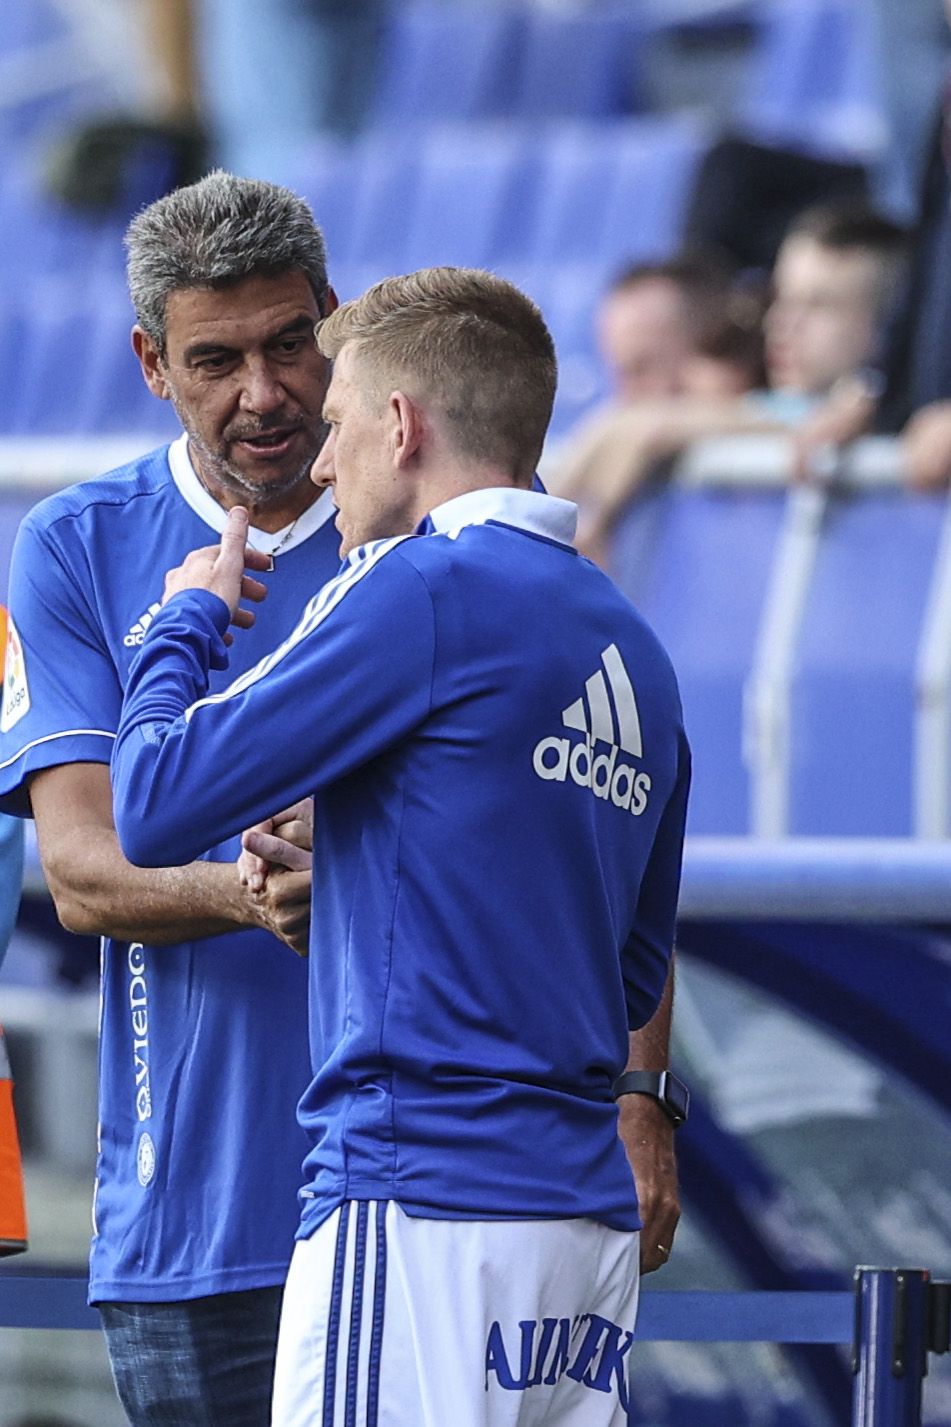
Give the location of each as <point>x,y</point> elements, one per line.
<point>393,1321</point>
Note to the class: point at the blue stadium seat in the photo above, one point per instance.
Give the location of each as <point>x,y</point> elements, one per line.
<point>115,397</point>
<point>578,65</point>
<point>14,505</point>
<point>816,80</point>
<point>352,279</point>
<point>696,564</point>
<point>41,235</point>
<point>576,168</point>
<point>30,22</point>
<point>613,193</point>
<point>567,294</point>
<point>853,699</point>
<point>49,81</point>
<point>448,63</point>
<point>66,367</point>
<point>646,201</point>
<point>324,173</point>
<point>469,205</point>
<point>53,323</point>
<point>14,325</point>
<point>380,192</point>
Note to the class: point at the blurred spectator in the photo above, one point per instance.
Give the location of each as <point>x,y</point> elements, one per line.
<point>133,158</point>
<point>276,73</point>
<point>649,320</point>
<point>746,194</point>
<point>910,393</point>
<point>729,358</point>
<point>835,278</point>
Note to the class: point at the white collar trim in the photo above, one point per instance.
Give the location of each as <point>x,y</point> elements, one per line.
<point>538,514</point>
<point>207,508</point>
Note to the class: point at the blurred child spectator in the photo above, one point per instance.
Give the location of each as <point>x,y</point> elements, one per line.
<point>835,283</point>
<point>835,278</point>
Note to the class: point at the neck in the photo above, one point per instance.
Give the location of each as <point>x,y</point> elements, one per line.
<point>446,485</point>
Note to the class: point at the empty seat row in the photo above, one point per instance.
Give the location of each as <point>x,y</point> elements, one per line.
<point>494,61</point>
<point>472,194</point>
<point>66,363</point>
<point>491,194</point>
<point>814,76</point>
<point>845,746</point>
<point>67,367</point>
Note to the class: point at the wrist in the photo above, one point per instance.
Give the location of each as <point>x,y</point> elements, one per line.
<point>660,1087</point>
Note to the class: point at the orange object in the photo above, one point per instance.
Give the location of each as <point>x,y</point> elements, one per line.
<point>12,1202</point>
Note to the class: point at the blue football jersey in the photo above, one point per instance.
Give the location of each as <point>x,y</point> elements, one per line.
<point>494,740</point>
<point>203,1048</point>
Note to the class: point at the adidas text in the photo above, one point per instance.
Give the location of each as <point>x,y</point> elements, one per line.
<point>556,759</point>
<point>602,717</point>
<point>137,633</point>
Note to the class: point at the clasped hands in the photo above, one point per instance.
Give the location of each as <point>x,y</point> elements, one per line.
<point>275,870</point>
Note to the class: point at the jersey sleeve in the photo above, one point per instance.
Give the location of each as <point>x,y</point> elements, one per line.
<point>61,693</point>
<point>352,680</point>
<point>646,955</point>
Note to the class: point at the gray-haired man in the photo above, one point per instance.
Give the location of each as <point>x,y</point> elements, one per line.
<point>203,1045</point>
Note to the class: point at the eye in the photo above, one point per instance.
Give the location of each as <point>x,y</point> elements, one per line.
<point>290,346</point>
<point>216,363</point>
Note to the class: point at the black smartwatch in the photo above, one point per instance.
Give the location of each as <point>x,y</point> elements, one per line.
<point>672,1094</point>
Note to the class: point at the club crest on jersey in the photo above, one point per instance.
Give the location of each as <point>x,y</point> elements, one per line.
<point>16,690</point>
<point>604,718</point>
<point>145,1159</point>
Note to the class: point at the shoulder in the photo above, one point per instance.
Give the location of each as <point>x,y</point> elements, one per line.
<point>143,479</point>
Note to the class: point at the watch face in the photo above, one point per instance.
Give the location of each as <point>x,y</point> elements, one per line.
<point>676,1096</point>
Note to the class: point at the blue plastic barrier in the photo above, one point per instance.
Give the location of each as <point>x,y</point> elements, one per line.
<point>892,1320</point>
<point>40,1302</point>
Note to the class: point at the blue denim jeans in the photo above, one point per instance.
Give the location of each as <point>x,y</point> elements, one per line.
<point>201,1362</point>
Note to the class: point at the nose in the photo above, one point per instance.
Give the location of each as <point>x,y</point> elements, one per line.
<point>261,391</point>
<point>322,472</point>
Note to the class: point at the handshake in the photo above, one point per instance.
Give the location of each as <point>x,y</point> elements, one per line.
<point>274,869</point>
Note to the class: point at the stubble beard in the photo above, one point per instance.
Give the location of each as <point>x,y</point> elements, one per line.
<point>214,469</point>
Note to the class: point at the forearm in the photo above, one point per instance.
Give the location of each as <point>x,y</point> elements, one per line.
<point>98,892</point>
<point>649,1047</point>
<point>639,1116</point>
<point>647,1134</point>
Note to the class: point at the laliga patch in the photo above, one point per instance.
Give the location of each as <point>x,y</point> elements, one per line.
<point>16,690</point>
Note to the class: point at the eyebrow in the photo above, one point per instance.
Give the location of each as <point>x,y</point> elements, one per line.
<point>197,350</point>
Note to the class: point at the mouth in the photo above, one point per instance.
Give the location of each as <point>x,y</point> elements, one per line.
<point>268,445</point>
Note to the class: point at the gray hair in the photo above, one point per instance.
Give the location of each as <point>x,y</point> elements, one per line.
<point>216,232</point>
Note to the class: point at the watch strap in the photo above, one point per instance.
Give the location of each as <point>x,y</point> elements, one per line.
<point>663,1086</point>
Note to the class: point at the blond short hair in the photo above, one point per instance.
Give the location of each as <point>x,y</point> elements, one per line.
<point>470,343</point>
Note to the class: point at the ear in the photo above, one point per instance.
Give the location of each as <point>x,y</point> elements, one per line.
<point>153,368</point>
<point>407,428</point>
<point>330,303</point>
